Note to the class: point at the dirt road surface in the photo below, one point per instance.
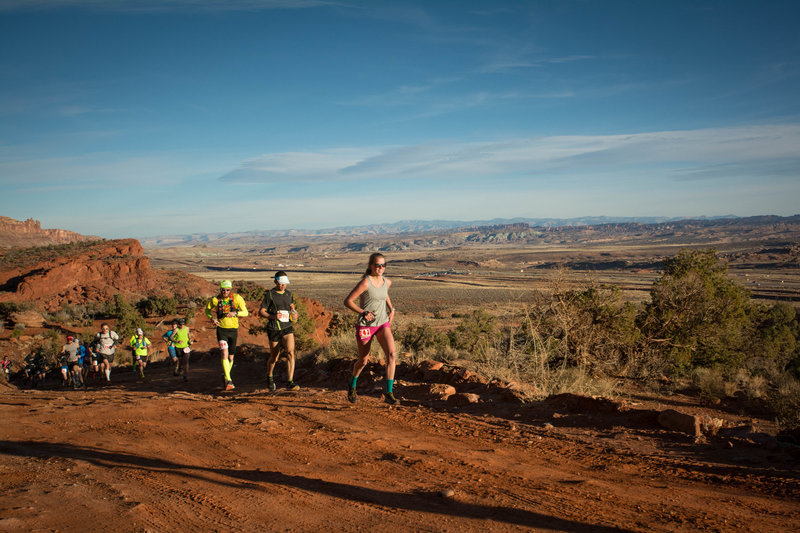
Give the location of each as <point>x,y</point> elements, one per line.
<point>164,455</point>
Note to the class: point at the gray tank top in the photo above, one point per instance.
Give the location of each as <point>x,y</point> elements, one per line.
<point>374,299</point>
<point>72,351</point>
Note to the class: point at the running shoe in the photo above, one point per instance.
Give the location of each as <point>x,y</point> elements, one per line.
<point>291,385</point>
<point>351,395</point>
<point>271,383</point>
<point>229,386</point>
<point>389,398</point>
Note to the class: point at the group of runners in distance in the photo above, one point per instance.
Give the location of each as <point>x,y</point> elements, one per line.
<point>369,299</point>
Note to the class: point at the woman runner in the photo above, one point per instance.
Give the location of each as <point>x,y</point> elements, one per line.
<point>375,316</point>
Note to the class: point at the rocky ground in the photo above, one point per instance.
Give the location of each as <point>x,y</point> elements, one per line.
<point>460,453</point>
<point>164,455</point>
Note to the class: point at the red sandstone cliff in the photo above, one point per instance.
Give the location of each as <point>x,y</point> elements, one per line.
<point>91,273</point>
<point>19,234</point>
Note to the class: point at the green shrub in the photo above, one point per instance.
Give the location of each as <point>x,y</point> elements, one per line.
<point>157,306</point>
<point>7,308</point>
<point>785,402</point>
<point>713,384</point>
<point>75,315</point>
<point>304,328</point>
<point>250,291</point>
<point>474,330</point>
<point>697,316</point>
<point>128,318</point>
<point>190,313</point>
<point>419,337</point>
<point>775,341</point>
<point>21,257</point>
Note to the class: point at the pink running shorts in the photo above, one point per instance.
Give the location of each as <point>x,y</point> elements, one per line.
<point>364,334</point>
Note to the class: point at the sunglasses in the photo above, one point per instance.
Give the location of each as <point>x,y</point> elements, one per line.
<point>379,265</point>
<point>227,290</point>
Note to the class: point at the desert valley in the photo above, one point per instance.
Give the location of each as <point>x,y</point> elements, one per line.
<point>475,444</point>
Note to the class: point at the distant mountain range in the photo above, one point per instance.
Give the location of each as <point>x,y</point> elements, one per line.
<point>403,227</point>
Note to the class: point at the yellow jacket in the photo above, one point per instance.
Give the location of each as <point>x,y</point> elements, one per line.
<point>220,307</point>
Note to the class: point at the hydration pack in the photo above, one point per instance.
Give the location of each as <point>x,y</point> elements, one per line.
<point>228,307</point>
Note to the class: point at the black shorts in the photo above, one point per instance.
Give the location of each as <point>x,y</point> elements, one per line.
<point>105,357</point>
<point>74,364</point>
<point>229,335</point>
<point>277,334</point>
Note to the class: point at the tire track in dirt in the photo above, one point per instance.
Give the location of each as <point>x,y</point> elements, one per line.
<point>255,460</point>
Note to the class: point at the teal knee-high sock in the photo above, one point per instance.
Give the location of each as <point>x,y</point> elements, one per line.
<point>389,386</point>
<point>353,382</point>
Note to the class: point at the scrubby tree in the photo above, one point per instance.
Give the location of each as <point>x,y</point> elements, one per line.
<point>250,291</point>
<point>158,306</point>
<point>774,343</point>
<point>697,315</point>
<point>479,326</point>
<point>128,318</point>
<point>418,337</point>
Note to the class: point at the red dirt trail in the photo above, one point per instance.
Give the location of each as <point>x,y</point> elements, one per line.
<point>163,455</point>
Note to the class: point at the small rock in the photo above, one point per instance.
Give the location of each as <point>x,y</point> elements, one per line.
<point>429,391</point>
<point>681,422</point>
<point>461,374</point>
<point>30,319</point>
<point>447,493</point>
<point>428,365</point>
<point>463,398</point>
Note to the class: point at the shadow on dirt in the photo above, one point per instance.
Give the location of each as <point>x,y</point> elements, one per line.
<point>602,421</point>
<point>253,479</point>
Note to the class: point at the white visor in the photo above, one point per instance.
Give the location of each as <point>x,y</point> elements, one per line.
<point>283,280</point>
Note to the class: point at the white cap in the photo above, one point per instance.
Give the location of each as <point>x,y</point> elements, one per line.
<point>139,331</point>
<point>283,280</point>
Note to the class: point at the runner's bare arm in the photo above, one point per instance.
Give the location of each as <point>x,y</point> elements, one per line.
<point>358,290</point>
<point>390,307</point>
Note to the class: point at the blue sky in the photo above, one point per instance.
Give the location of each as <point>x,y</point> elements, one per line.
<point>148,117</point>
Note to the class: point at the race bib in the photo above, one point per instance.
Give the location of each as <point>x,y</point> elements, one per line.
<point>283,316</point>
<point>364,333</point>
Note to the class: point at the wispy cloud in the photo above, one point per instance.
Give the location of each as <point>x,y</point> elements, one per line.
<point>525,60</point>
<point>55,99</point>
<point>423,101</point>
<point>305,166</point>
<point>403,95</point>
<point>692,154</point>
<point>27,172</point>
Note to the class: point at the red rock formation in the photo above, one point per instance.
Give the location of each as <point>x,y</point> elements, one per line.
<point>19,234</point>
<point>321,317</point>
<point>93,274</point>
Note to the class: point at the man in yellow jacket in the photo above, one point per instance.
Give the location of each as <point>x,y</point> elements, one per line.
<point>224,311</point>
